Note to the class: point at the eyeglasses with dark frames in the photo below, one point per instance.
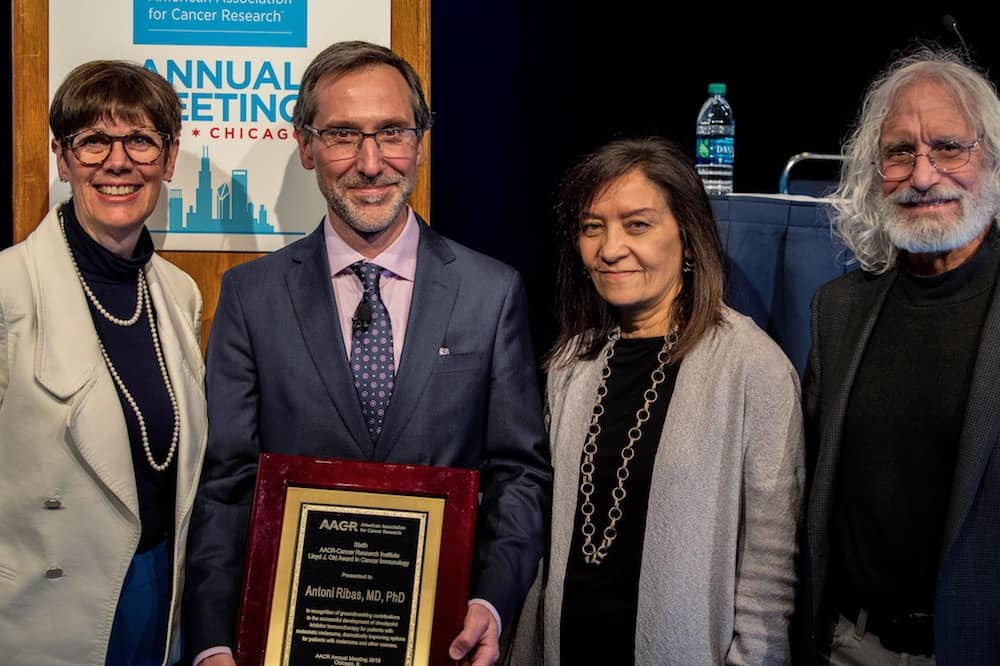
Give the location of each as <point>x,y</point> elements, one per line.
<point>897,164</point>
<point>92,147</point>
<point>345,142</point>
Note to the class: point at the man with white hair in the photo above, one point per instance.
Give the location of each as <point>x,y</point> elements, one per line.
<point>902,387</point>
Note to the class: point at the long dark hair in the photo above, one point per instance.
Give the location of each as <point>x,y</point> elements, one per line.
<point>585,318</point>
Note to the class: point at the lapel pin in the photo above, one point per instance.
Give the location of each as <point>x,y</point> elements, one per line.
<point>443,351</point>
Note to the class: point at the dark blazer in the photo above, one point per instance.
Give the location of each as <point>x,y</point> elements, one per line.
<point>967,604</point>
<point>279,381</point>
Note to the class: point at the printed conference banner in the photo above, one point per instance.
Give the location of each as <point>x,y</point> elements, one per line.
<point>236,65</point>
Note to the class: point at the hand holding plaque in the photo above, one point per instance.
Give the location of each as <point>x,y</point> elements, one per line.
<point>356,563</point>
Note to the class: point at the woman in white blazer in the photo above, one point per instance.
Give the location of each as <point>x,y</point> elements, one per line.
<point>102,407</point>
<point>676,435</point>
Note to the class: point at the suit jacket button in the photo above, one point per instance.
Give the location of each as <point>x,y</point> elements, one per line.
<point>54,502</point>
<point>54,571</point>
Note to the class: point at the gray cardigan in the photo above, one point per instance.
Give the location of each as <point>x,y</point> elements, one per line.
<point>717,579</point>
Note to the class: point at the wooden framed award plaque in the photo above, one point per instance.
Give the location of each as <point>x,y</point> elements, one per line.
<point>356,563</point>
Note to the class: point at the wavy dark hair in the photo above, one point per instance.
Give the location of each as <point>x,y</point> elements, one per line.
<point>585,319</point>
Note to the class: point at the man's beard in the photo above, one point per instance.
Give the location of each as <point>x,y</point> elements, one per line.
<point>932,231</point>
<point>363,219</point>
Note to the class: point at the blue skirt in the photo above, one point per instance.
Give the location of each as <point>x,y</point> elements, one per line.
<point>139,632</point>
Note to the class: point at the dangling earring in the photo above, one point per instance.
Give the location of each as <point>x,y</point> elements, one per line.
<point>687,266</point>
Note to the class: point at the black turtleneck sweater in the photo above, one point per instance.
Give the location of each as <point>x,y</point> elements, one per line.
<point>901,434</point>
<point>113,280</point>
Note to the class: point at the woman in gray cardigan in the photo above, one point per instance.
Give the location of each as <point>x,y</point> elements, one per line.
<point>676,436</point>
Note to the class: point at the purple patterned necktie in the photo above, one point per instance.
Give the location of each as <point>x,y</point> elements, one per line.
<point>371,350</point>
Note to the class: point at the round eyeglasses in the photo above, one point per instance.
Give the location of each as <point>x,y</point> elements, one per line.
<point>93,146</point>
<point>898,164</point>
<point>344,142</point>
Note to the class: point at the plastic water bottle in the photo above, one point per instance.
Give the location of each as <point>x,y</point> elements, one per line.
<point>715,135</point>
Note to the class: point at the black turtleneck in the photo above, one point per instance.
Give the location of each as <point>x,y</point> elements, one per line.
<point>113,280</point>
<point>901,435</point>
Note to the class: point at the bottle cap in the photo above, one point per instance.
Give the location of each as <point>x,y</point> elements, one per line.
<point>716,88</point>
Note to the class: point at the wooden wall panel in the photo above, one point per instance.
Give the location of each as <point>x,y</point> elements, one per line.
<point>410,37</point>
<point>30,64</point>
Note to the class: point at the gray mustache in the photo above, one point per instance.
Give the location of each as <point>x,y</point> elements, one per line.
<point>937,193</point>
<point>362,181</point>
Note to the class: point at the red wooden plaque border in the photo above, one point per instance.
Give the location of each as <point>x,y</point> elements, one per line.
<point>276,472</point>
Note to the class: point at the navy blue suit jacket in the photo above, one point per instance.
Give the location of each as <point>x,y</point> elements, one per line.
<point>279,381</point>
<point>967,602</point>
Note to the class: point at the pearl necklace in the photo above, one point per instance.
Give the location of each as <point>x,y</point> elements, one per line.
<point>142,297</point>
<point>140,284</point>
<point>595,554</point>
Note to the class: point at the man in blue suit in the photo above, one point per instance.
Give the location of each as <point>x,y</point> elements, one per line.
<point>902,387</point>
<point>450,380</point>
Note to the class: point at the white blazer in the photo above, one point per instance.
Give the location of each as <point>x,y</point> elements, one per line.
<point>69,511</point>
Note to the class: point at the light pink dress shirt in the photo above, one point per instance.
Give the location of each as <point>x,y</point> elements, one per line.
<point>399,266</point>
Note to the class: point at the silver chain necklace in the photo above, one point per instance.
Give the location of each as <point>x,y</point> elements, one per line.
<point>142,297</point>
<point>595,554</point>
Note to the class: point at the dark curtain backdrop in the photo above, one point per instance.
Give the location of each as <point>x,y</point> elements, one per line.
<point>521,90</point>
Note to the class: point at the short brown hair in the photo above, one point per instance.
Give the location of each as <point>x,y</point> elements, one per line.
<point>107,89</point>
<point>585,318</point>
<point>344,57</point>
